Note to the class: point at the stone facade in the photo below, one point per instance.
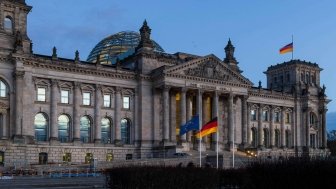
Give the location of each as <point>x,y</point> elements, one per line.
<point>133,109</point>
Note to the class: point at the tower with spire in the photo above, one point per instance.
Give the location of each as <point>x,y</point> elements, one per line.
<point>229,58</point>
<point>145,41</point>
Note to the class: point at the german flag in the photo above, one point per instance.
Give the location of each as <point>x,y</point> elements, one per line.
<point>287,48</point>
<point>208,128</point>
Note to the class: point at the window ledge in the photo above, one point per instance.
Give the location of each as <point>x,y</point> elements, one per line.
<point>64,104</point>
<point>41,102</point>
<point>86,106</point>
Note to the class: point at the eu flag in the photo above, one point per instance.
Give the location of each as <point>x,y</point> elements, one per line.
<point>192,124</point>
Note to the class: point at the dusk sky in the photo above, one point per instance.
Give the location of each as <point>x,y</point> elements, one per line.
<point>258,29</point>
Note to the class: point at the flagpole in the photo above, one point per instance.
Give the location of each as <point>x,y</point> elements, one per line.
<point>200,140</point>
<point>233,147</point>
<point>293,48</point>
<point>217,134</point>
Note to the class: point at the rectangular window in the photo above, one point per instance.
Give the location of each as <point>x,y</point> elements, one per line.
<point>287,118</point>
<point>126,102</point>
<point>86,98</point>
<point>107,100</point>
<point>265,115</point>
<point>277,117</point>
<point>65,96</point>
<point>253,115</point>
<point>41,94</point>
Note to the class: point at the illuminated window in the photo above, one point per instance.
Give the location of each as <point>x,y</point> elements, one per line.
<point>126,102</point>
<point>41,94</point>
<point>88,157</point>
<point>107,100</point>
<point>86,98</point>
<point>3,89</point>
<point>109,157</point>
<point>287,117</point>
<point>65,96</point>
<point>67,157</point>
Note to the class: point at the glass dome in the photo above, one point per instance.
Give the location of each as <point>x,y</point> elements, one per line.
<point>119,45</point>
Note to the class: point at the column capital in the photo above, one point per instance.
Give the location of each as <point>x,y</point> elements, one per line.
<point>18,74</point>
<point>77,84</point>
<point>54,82</point>
<point>323,110</point>
<point>184,90</point>
<point>98,87</point>
<point>166,87</point>
<point>118,89</point>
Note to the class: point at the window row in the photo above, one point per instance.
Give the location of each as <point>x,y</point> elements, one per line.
<point>266,138</point>
<point>64,129</point>
<point>86,98</point>
<point>266,116</point>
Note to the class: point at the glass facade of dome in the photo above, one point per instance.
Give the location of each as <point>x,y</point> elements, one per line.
<point>119,45</point>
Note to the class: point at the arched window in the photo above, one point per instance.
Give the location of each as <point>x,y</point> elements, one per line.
<point>125,131</point>
<point>254,137</point>
<point>85,129</point>
<point>106,130</point>
<point>63,128</point>
<point>266,138</point>
<point>3,89</point>
<point>8,24</point>
<point>277,138</point>
<point>41,125</point>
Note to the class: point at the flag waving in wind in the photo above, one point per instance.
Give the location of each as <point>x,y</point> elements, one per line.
<point>287,48</point>
<point>192,124</point>
<point>208,128</point>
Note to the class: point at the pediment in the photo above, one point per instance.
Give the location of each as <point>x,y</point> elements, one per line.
<point>208,67</point>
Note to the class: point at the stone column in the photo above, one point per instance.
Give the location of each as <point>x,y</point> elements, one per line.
<point>183,111</point>
<point>215,113</point>
<point>53,110</point>
<point>4,124</point>
<point>18,75</point>
<point>324,128</point>
<point>165,108</point>
<point>272,132</point>
<point>199,111</point>
<point>97,114</point>
<point>249,132</point>
<point>244,121</point>
<point>260,130</point>
<point>76,119</point>
<point>117,120</point>
<point>230,120</point>
<point>189,115</point>
<point>283,131</point>
<point>136,123</point>
<point>307,128</point>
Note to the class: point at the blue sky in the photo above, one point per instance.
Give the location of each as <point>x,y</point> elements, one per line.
<point>257,29</point>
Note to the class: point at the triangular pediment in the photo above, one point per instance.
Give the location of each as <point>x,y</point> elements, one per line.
<point>208,67</point>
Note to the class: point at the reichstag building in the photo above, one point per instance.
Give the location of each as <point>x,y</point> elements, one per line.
<point>129,99</point>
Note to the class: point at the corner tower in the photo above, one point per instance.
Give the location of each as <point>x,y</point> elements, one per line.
<point>13,26</point>
<point>229,58</point>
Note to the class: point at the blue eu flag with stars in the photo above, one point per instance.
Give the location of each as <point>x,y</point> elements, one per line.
<point>192,124</point>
